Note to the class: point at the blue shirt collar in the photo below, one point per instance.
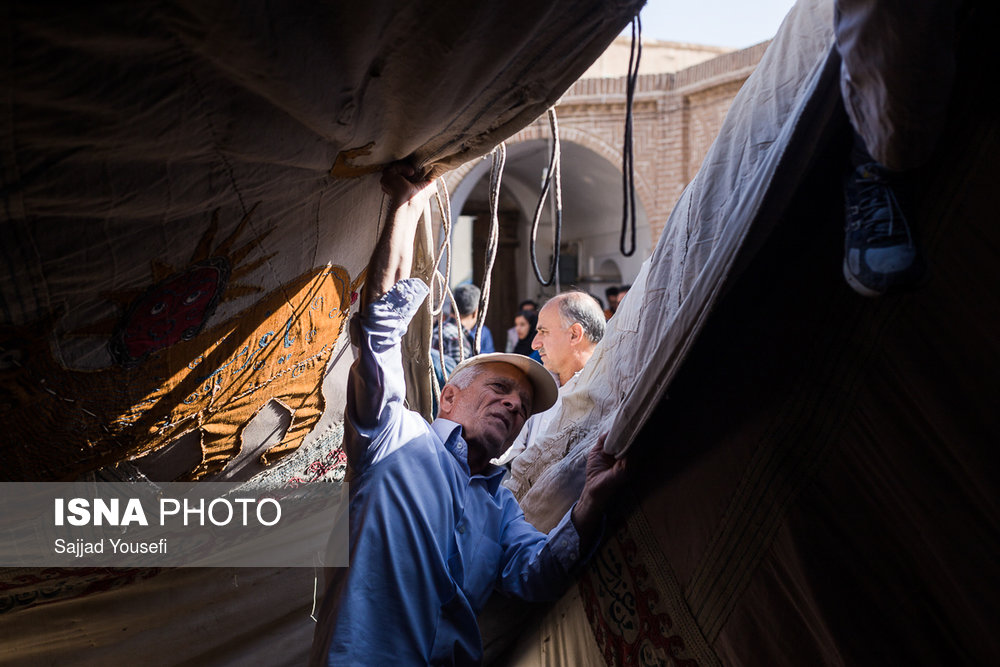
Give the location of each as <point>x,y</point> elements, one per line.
<point>450,434</point>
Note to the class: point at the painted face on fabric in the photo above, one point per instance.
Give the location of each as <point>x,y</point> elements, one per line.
<point>172,311</point>
<point>491,410</point>
<point>553,339</point>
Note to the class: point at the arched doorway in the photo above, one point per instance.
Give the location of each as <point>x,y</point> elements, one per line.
<point>590,258</point>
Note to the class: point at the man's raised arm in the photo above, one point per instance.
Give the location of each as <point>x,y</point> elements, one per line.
<point>375,387</point>
<point>392,258</point>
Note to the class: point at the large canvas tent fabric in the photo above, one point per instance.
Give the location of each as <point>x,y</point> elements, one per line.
<point>817,471</point>
<point>817,478</point>
<point>187,212</point>
<point>190,195</point>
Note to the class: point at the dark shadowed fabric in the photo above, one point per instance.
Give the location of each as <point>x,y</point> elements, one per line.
<point>188,197</point>
<point>817,475</point>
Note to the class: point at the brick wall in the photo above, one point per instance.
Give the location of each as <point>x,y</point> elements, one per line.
<point>676,116</point>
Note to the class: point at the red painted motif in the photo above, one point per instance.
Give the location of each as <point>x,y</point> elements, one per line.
<point>622,605</point>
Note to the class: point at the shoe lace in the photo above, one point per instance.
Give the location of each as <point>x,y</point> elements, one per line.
<point>875,195</point>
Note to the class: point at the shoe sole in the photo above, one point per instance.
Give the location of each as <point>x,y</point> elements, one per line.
<point>865,291</point>
<point>858,287</point>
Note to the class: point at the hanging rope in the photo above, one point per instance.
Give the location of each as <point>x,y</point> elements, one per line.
<point>441,282</point>
<point>440,292</point>
<point>496,173</point>
<point>628,160</point>
<point>554,171</point>
<point>439,285</point>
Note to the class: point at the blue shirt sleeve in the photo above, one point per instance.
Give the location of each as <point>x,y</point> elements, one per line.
<point>376,386</point>
<point>535,566</point>
<point>486,343</point>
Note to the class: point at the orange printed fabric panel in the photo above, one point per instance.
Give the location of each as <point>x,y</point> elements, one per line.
<point>172,377</point>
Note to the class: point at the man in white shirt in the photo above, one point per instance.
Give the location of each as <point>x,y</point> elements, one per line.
<point>570,325</point>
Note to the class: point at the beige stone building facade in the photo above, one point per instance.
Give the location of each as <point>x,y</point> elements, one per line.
<point>676,116</point>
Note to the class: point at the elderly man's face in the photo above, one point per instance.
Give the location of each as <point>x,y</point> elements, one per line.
<point>553,340</point>
<point>491,410</point>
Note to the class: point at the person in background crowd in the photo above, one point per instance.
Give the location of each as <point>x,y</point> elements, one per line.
<point>622,291</point>
<point>525,325</point>
<point>611,294</point>
<point>459,335</point>
<point>527,304</point>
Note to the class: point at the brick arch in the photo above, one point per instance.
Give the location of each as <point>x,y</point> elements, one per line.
<point>457,175</point>
<point>539,131</point>
<point>672,135</point>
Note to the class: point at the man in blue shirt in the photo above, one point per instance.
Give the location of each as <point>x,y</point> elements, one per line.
<point>432,530</point>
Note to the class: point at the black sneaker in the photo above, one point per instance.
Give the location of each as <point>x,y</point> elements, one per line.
<point>880,254</point>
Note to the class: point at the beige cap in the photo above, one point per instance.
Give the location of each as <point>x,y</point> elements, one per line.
<point>542,382</point>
